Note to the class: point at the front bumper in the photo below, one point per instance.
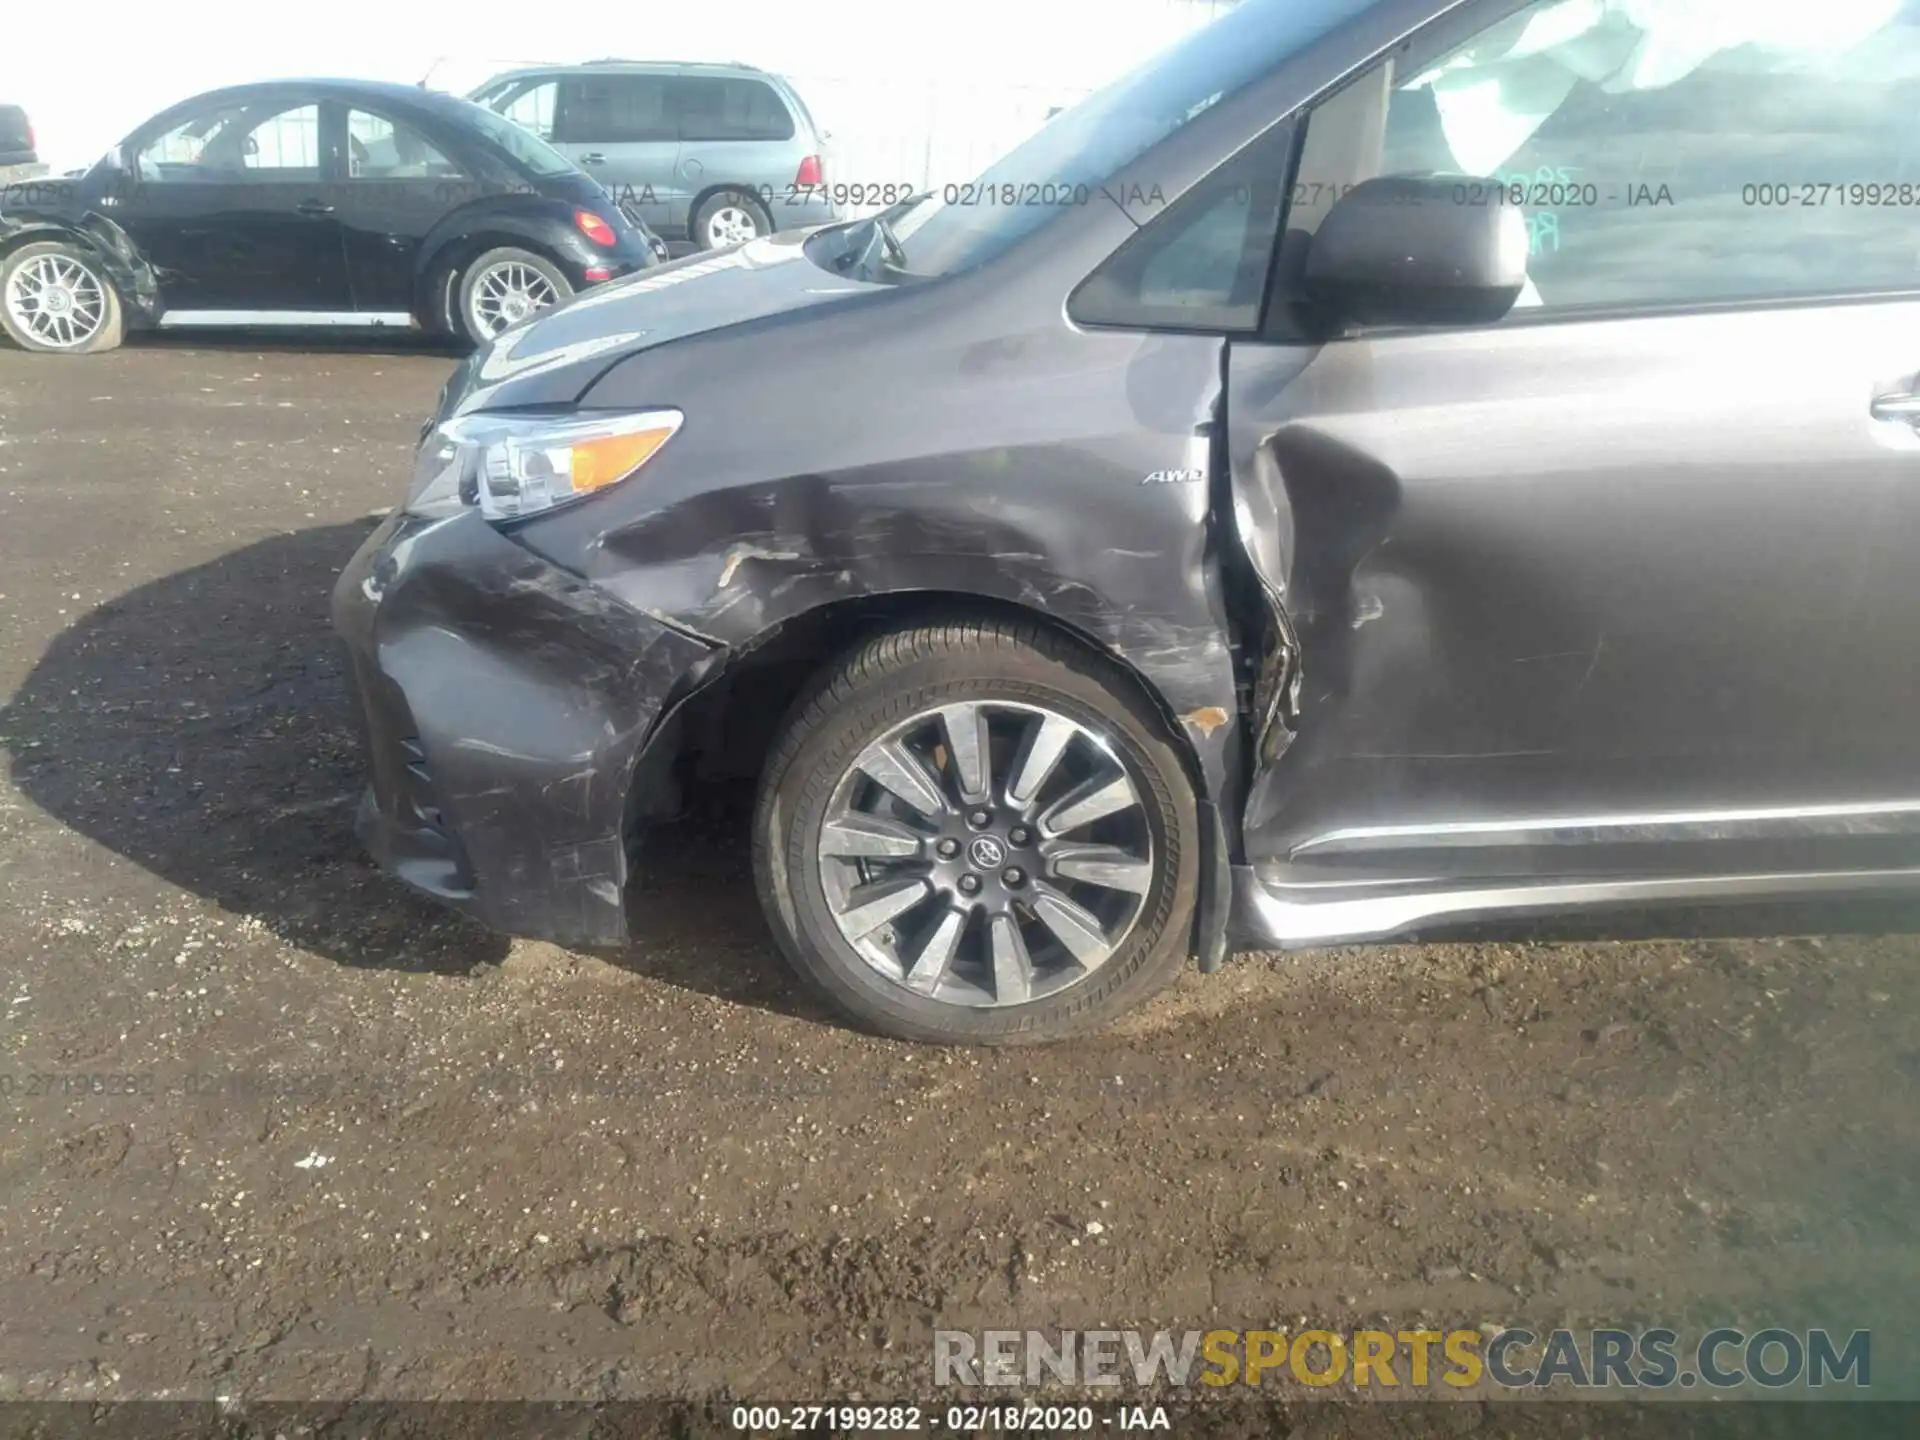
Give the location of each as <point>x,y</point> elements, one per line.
<point>506,707</point>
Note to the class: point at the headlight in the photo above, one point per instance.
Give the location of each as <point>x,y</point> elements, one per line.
<point>513,465</point>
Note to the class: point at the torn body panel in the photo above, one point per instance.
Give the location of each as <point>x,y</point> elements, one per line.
<point>1060,515</point>
<point>507,704</point>
<point>62,210</point>
<point>1260,526</point>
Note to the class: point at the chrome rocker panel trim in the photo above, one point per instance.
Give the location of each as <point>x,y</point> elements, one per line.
<point>1264,917</point>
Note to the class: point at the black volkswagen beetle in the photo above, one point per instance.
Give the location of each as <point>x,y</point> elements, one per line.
<point>309,203</point>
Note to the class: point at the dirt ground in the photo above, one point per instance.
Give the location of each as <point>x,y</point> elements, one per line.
<point>270,1127</point>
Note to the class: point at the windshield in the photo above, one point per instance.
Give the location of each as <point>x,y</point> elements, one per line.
<point>527,149</point>
<point>1066,161</point>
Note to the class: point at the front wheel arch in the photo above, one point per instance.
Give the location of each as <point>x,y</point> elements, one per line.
<point>723,732</point>
<point>753,197</point>
<point>436,283</point>
<point>776,666</point>
<point>37,232</point>
<point>1112,961</point>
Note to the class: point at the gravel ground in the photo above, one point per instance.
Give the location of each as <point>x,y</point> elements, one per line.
<point>270,1127</point>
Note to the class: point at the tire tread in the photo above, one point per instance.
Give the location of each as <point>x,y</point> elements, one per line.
<point>113,328</point>
<point>971,646</point>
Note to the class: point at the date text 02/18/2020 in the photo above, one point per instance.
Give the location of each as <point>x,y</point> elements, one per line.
<point>960,1419</point>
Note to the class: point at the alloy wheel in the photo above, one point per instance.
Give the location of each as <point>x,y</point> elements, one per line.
<point>731,225</point>
<point>507,293</point>
<point>987,853</point>
<point>57,300</point>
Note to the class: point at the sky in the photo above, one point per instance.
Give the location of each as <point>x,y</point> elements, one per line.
<point>965,66</point>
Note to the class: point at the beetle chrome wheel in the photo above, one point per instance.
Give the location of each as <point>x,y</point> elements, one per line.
<point>506,293</point>
<point>57,300</point>
<point>986,853</point>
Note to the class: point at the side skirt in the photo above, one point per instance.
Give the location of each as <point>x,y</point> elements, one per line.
<point>1265,917</point>
<point>341,319</point>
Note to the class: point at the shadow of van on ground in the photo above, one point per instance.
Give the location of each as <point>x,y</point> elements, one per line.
<point>201,727</point>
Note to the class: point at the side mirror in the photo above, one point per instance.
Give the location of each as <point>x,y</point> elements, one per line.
<point>1418,250</point>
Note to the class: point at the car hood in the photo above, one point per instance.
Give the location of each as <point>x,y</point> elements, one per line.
<point>554,358</point>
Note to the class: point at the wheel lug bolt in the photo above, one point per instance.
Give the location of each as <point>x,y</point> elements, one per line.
<point>948,848</point>
<point>980,819</point>
<point>969,884</point>
<point>1020,835</point>
<point>1014,875</point>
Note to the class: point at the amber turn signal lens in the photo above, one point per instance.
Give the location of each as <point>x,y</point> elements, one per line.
<point>598,463</point>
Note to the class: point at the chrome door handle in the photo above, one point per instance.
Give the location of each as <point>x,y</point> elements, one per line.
<point>314,207</point>
<point>593,157</point>
<point>1896,407</point>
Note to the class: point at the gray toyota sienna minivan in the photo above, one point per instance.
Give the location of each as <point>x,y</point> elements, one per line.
<point>1382,462</point>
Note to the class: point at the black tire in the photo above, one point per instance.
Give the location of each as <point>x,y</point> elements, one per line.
<point>110,328</point>
<point>895,676</point>
<point>724,200</point>
<point>466,323</point>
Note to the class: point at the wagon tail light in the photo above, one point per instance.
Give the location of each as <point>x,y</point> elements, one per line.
<point>509,466</point>
<point>595,229</point>
<point>810,175</point>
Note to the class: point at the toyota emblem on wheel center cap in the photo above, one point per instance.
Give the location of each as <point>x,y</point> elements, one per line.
<point>986,852</point>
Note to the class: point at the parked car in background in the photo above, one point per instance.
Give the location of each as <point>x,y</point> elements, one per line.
<point>309,203</point>
<point>710,154</point>
<point>16,138</point>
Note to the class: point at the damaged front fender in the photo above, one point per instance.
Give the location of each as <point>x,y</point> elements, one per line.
<point>1093,510</point>
<point>68,212</point>
<point>1076,521</point>
<point>739,570</point>
<point>507,705</point>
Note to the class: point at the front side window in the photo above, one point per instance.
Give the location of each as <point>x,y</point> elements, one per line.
<point>712,108</point>
<point>1203,265</point>
<point>533,108</point>
<point>262,141</point>
<point>614,110</point>
<point>380,149</point>
<point>1664,154</point>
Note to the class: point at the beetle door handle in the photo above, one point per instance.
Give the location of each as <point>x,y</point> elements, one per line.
<point>314,207</point>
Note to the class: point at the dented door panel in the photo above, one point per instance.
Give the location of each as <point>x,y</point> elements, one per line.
<point>1571,599</point>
